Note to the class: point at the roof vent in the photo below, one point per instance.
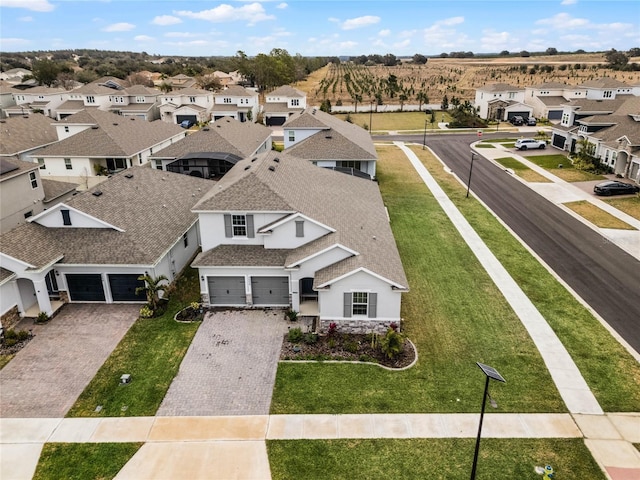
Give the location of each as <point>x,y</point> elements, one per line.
<point>128,175</point>
<point>94,127</point>
<point>206,129</point>
<point>254,159</point>
<point>133,118</point>
<point>247,167</point>
<point>97,193</point>
<point>115,123</point>
<point>272,168</point>
<point>328,136</point>
<point>277,160</point>
<point>219,126</point>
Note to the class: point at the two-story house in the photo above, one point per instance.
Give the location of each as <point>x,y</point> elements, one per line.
<point>188,104</point>
<point>236,102</point>
<point>278,231</point>
<point>93,247</point>
<point>6,97</point>
<point>501,101</point>
<point>213,150</point>
<point>282,103</point>
<point>329,142</point>
<point>94,143</point>
<point>37,99</point>
<point>548,99</point>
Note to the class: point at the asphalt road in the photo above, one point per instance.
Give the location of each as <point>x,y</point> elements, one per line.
<point>605,276</point>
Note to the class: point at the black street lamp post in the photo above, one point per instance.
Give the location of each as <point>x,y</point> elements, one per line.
<point>371,118</point>
<point>424,135</point>
<point>473,156</point>
<point>491,373</point>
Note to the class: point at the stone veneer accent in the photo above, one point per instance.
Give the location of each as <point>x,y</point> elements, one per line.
<point>11,318</point>
<point>358,326</point>
<point>64,296</point>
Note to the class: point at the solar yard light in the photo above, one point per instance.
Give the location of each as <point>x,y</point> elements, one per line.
<point>490,373</point>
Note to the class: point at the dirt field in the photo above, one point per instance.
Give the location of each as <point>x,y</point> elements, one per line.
<point>453,77</point>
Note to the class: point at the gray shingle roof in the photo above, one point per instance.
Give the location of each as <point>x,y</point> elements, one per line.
<point>287,91</point>
<point>19,134</point>
<point>499,87</point>
<point>552,101</point>
<point>604,82</point>
<point>224,135</point>
<point>13,166</point>
<point>157,213</point>
<point>116,136</point>
<point>352,206</point>
<point>242,256</point>
<point>347,142</point>
<point>279,107</point>
<point>236,91</point>
<point>585,105</point>
<point>54,189</point>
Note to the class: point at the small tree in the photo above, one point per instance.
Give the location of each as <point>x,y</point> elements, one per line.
<point>392,344</point>
<point>152,288</point>
<point>445,103</point>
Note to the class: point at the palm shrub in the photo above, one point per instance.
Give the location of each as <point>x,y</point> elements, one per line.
<point>392,343</point>
<point>152,288</point>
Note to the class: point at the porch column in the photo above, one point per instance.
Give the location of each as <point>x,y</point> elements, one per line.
<point>42,294</point>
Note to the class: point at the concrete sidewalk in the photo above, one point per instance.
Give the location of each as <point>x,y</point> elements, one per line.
<point>193,447</point>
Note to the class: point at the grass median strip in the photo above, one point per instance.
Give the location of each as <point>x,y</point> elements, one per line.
<point>521,170</point>
<point>450,459</point>
<point>597,216</point>
<point>454,314</point>
<point>628,205</point>
<point>610,371</point>
<point>562,167</point>
<point>83,461</point>
<point>151,352</point>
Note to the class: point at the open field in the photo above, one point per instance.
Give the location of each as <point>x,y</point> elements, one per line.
<point>451,76</point>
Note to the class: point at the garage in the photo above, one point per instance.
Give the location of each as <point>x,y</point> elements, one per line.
<point>558,141</point>
<point>123,287</point>
<point>555,114</point>
<point>191,118</point>
<point>275,121</point>
<point>86,287</point>
<point>270,290</point>
<point>524,115</point>
<point>226,291</point>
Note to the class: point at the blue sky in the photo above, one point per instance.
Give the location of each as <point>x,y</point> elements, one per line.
<point>329,27</point>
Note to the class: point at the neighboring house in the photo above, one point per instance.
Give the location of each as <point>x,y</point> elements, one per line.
<point>236,102</point>
<point>22,135</point>
<point>94,143</point>
<point>279,232</point>
<point>328,142</point>
<point>37,99</point>
<point>14,75</point>
<point>191,104</point>
<point>612,128</point>
<point>548,99</point>
<point>180,81</point>
<point>212,151</point>
<point>24,194</point>
<point>224,78</point>
<point>501,101</point>
<point>6,97</point>
<point>93,247</point>
<point>281,103</point>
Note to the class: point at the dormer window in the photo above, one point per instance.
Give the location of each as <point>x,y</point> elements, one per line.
<point>227,100</point>
<point>299,228</point>
<point>192,99</point>
<point>295,102</point>
<point>91,99</point>
<point>607,94</point>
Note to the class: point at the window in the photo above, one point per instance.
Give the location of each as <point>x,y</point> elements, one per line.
<point>91,99</point>
<point>227,100</point>
<point>239,225</point>
<point>28,214</point>
<point>607,94</point>
<point>158,164</point>
<point>192,99</point>
<point>66,129</point>
<point>139,99</point>
<point>66,217</point>
<point>41,163</point>
<point>295,102</point>
<point>359,303</point>
<point>67,164</point>
<point>33,179</point>
<point>299,228</point>
<point>292,136</point>
<point>349,164</point>
<point>185,240</point>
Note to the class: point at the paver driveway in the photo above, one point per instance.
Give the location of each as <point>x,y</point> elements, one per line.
<point>230,367</point>
<point>46,377</point>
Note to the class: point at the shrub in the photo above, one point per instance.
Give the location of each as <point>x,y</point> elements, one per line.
<point>292,315</point>
<point>294,335</point>
<point>333,328</point>
<point>332,343</point>
<point>350,346</point>
<point>310,338</point>
<point>146,312</point>
<point>42,317</point>
<point>195,305</point>
<point>10,342</point>
<point>23,335</point>
<point>392,343</point>
<point>10,335</point>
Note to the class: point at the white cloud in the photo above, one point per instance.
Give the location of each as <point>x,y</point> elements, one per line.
<point>14,42</point>
<point>281,32</point>
<point>492,41</point>
<point>360,22</point>
<point>119,27</point>
<point>251,13</point>
<point>166,20</point>
<point>384,33</point>
<point>333,20</point>
<point>441,35</point>
<point>407,33</point>
<point>34,5</point>
<point>563,21</point>
<point>26,19</point>
<point>346,45</point>
<point>143,38</point>
<point>181,35</point>
<point>450,21</point>
<point>405,43</point>
<point>282,6</point>
<point>568,2</point>
<point>192,43</point>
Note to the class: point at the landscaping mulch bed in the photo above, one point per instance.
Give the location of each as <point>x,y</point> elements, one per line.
<point>345,347</point>
<point>15,348</point>
<point>189,314</point>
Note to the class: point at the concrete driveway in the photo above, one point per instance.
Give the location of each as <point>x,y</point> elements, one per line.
<point>46,377</point>
<point>230,367</point>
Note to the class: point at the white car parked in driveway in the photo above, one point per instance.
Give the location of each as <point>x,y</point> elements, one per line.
<point>530,144</point>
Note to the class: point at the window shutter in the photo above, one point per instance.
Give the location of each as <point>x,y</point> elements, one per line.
<point>228,232</point>
<point>299,228</point>
<point>373,305</point>
<point>66,217</point>
<point>347,304</point>
<point>250,232</point>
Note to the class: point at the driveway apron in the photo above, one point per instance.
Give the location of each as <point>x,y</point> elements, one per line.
<point>230,367</point>
<point>46,377</point>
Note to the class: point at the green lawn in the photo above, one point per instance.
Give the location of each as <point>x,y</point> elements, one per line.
<point>396,120</point>
<point>597,216</point>
<point>611,373</point>
<point>566,172</point>
<point>83,461</point>
<point>454,314</point>
<point>521,170</point>
<point>450,459</point>
<point>628,205</point>
<point>151,352</point>
<point>4,359</point>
